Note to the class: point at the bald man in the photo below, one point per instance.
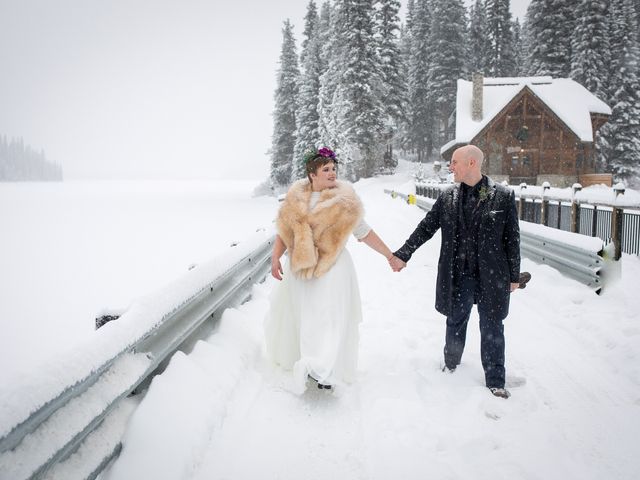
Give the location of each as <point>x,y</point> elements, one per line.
<point>479,261</point>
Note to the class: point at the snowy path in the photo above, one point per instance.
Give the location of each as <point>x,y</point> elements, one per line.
<point>222,412</point>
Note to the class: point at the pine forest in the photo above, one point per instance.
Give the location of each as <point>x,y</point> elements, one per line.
<point>20,162</point>
<point>371,85</point>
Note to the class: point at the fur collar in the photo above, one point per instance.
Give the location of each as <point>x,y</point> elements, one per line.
<point>315,237</point>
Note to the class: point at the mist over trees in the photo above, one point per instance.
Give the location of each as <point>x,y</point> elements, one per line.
<point>371,85</point>
<point>20,162</point>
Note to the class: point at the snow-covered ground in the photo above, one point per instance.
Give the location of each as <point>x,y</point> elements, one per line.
<point>222,411</point>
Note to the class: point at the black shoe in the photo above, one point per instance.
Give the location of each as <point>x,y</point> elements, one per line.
<point>500,392</point>
<point>326,387</point>
<point>524,279</point>
<point>447,369</point>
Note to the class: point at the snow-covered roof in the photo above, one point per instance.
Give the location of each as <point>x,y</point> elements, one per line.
<point>569,100</point>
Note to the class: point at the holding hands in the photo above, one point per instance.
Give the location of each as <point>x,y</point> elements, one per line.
<point>396,264</point>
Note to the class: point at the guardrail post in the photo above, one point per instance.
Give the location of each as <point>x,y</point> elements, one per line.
<point>594,221</point>
<point>523,186</point>
<point>575,209</point>
<point>544,208</point>
<point>616,223</point>
<point>616,232</point>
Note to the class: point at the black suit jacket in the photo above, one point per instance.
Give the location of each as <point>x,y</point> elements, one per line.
<point>498,247</point>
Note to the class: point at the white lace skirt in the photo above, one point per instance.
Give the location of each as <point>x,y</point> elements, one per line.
<point>312,325</point>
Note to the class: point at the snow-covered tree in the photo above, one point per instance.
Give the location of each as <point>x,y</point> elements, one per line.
<point>518,48</point>
<point>446,60</point>
<point>550,24</point>
<point>478,40</point>
<point>420,129</point>
<point>324,33</point>
<point>590,47</point>
<point>307,134</point>
<point>501,56</point>
<point>402,139</point>
<point>620,137</point>
<point>392,69</point>
<point>311,20</point>
<point>284,116</point>
<point>360,110</point>
<point>328,124</point>
<point>393,84</point>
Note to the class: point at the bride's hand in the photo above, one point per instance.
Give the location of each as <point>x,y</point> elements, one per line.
<point>276,269</point>
<point>396,264</point>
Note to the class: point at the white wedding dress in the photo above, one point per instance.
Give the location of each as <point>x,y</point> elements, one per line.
<point>312,325</point>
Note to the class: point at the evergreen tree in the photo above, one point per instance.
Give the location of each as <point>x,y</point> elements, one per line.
<point>411,4</point>
<point>518,48</point>
<point>391,64</point>
<point>388,26</point>
<point>551,25</point>
<point>359,108</point>
<point>420,129</point>
<point>446,60</point>
<point>324,33</point>
<point>525,41</point>
<point>501,57</point>
<point>590,47</point>
<point>478,42</point>
<point>328,125</point>
<point>284,117</point>
<point>311,20</point>
<point>307,133</point>
<point>405,55</point>
<point>619,40</point>
<point>620,137</point>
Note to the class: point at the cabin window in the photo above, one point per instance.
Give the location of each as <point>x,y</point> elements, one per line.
<point>523,133</point>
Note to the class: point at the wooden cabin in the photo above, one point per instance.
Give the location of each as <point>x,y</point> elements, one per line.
<point>531,130</point>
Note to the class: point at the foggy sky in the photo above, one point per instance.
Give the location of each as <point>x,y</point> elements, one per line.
<point>145,88</point>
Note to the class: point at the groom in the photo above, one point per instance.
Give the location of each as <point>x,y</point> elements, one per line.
<point>479,261</point>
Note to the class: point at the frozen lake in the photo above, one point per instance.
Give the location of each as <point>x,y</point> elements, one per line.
<point>69,250</point>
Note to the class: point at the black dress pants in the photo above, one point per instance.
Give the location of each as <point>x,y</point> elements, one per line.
<point>491,334</point>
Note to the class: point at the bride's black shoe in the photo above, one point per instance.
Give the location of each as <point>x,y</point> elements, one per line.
<point>320,385</point>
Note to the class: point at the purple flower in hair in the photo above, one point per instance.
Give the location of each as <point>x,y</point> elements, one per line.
<point>326,153</point>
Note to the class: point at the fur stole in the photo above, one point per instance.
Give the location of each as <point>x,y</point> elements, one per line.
<point>315,238</point>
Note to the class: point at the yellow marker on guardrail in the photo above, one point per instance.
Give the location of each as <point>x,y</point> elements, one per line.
<point>411,199</point>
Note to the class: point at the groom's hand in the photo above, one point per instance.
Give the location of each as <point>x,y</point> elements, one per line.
<point>396,264</point>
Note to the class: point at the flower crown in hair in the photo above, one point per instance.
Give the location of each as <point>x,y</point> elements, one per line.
<point>323,152</point>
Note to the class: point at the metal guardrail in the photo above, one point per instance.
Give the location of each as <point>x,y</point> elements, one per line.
<point>582,265</point>
<point>585,266</point>
<point>55,429</point>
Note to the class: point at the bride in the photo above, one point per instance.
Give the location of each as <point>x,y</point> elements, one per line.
<point>312,325</point>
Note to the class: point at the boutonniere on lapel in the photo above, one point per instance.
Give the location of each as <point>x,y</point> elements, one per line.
<point>485,193</point>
